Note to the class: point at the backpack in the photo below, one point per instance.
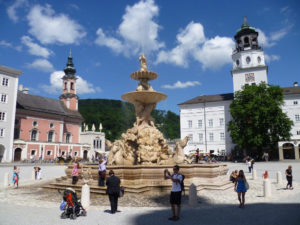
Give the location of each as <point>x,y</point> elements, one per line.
<point>182,184</point>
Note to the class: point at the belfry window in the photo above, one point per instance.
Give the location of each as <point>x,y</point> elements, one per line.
<point>72,86</point>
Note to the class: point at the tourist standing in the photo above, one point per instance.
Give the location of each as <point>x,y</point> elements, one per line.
<point>15,179</point>
<point>175,197</point>
<point>252,163</point>
<point>248,162</point>
<point>102,172</point>
<point>113,190</point>
<point>240,187</point>
<point>197,155</point>
<point>75,173</point>
<point>289,177</point>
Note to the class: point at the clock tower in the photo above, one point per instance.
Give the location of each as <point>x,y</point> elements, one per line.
<point>248,59</point>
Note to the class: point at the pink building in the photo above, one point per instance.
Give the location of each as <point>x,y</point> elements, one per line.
<point>47,128</point>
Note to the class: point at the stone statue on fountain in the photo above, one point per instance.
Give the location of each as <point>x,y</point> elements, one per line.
<point>144,144</point>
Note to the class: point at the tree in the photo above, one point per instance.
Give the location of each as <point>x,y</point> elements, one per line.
<point>258,122</point>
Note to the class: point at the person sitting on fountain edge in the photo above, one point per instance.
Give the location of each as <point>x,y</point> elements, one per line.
<point>175,197</point>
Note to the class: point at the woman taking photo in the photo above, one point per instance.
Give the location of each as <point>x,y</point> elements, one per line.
<point>241,187</point>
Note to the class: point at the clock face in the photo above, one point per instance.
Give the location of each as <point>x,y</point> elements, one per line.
<point>248,59</point>
<point>249,77</point>
<point>258,59</point>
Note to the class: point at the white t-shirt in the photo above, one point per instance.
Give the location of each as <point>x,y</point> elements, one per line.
<point>249,163</point>
<point>176,186</point>
<point>102,166</point>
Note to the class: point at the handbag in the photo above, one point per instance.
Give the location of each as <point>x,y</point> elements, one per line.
<point>121,193</point>
<point>246,185</point>
<point>103,174</point>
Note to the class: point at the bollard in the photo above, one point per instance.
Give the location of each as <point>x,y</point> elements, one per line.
<point>33,175</point>
<point>279,178</point>
<point>85,195</point>
<point>6,177</point>
<point>254,174</point>
<point>192,195</point>
<point>267,188</point>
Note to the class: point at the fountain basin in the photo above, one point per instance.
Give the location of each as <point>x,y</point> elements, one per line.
<point>145,97</point>
<point>149,75</point>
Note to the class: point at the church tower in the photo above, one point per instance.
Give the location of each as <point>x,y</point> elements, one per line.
<point>248,59</point>
<point>69,96</point>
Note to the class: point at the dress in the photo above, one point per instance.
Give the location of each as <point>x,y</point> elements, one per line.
<point>241,186</point>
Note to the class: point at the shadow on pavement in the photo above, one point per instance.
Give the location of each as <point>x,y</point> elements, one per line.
<point>256,214</point>
<point>164,200</point>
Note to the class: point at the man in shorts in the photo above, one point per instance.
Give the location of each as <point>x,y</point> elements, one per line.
<point>175,197</point>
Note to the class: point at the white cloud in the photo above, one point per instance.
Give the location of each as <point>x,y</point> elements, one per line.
<point>42,65</point>
<point>35,49</point>
<point>215,53</point>
<point>55,87</point>
<point>271,40</point>
<point>110,42</point>
<point>11,10</point>
<point>180,84</point>
<point>51,28</point>
<point>192,44</point>
<point>138,31</point>
<point>270,58</point>
<point>10,45</point>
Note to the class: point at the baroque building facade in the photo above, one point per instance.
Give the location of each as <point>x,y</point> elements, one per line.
<point>47,128</point>
<point>204,118</point>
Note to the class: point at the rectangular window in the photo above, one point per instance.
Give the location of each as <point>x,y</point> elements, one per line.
<point>297,117</point>
<point>32,152</point>
<point>298,132</point>
<point>49,152</point>
<point>221,122</point>
<point>211,136</point>
<point>2,116</point>
<point>210,123</point>
<point>199,123</point>
<point>75,153</point>
<point>190,138</point>
<point>68,137</point>
<point>295,102</point>
<point>190,124</point>
<point>201,138</point>
<point>5,81</point>
<point>1,132</point>
<point>3,98</point>
<point>222,136</point>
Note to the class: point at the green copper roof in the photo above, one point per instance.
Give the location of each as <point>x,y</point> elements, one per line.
<point>70,69</point>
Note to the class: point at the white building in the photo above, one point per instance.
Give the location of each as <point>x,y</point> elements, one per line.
<point>204,118</point>
<point>95,140</point>
<point>8,97</point>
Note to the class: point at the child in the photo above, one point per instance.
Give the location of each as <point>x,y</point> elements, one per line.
<point>15,179</point>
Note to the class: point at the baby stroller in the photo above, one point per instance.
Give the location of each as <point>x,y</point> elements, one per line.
<point>71,205</point>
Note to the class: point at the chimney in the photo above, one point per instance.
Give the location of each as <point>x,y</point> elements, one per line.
<point>295,84</point>
<point>21,87</point>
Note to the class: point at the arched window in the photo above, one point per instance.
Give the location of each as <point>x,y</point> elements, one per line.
<point>246,41</point>
<point>72,86</point>
<point>50,136</point>
<point>34,135</point>
<point>66,85</point>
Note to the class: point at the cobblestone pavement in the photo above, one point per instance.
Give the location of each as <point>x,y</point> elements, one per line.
<point>33,205</point>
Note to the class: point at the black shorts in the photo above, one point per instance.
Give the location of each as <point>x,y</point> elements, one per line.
<point>175,198</point>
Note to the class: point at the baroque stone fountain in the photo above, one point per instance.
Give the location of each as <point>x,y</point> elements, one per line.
<point>142,154</point>
<point>144,144</point>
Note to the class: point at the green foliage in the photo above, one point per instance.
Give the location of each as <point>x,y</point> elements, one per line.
<point>117,116</point>
<point>257,119</point>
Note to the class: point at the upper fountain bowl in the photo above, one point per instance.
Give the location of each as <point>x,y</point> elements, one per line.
<point>149,75</point>
<point>146,97</point>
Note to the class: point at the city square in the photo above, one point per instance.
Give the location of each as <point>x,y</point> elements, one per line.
<point>141,126</point>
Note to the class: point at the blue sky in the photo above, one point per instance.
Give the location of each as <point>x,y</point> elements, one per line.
<point>188,43</point>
